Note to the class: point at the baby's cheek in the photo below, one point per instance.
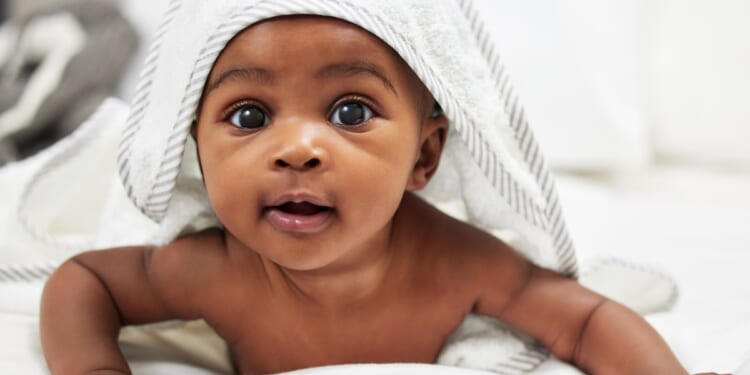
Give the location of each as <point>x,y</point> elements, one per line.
<point>377,189</point>
<point>228,198</point>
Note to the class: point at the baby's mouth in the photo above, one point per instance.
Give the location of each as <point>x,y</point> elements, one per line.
<point>301,208</point>
<point>299,217</point>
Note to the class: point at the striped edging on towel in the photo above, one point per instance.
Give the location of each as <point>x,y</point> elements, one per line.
<point>26,273</point>
<point>526,142</point>
<point>549,219</point>
<point>142,99</point>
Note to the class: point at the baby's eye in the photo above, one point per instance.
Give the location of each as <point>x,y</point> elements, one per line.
<point>248,117</point>
<point>351,113</point>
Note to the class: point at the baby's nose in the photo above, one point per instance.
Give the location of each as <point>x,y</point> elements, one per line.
<point>311,163</point>
<point>301,149</point>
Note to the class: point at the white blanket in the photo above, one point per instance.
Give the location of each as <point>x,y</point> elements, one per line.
<point>692,223</point>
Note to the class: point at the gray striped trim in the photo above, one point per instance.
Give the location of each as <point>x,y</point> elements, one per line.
<point>15,273</point>
<point>61,153</point>
<point>526,361</point>
<point>478,146</point>
<point>664,306</point>
<point>505,184</point>
<point>142,100</point>
<point>555,224</point>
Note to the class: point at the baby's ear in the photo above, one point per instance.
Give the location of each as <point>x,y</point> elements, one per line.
<point>194,128</point>
<point>432,140</point>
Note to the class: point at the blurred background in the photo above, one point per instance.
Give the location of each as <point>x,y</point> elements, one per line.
<point>608,85</point>
<point>615,84</point>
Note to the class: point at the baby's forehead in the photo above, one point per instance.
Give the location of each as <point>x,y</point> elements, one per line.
<point>308,27</point>
<point>270,45</point>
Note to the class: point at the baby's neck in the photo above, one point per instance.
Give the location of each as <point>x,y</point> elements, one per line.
<point>345,284</point>
<point>356,280</point>
<point>368,273</point>
<point>340,287</point>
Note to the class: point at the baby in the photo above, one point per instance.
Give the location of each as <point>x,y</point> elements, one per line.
<point>312,136</point>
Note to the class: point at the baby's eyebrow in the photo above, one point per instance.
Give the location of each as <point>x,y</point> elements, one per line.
<point>350,68</point>
<point>259,75</point>
<point>263,76</point>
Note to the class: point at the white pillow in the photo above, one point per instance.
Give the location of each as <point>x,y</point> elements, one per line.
<point>700,70</point>
<point>576,66</point>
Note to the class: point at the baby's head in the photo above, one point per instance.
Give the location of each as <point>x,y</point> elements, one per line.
<point>334,115</point>
<point>309,132</point>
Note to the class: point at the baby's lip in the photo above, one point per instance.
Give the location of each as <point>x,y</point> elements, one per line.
<point>299,212</point>
<point>299,197</point>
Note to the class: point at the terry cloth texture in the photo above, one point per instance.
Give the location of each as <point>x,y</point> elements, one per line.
<point>492,165</point>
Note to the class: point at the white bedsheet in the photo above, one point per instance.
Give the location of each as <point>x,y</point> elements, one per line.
<point>690,223</point>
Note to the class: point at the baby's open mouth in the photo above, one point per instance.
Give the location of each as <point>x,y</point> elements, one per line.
<point>299,217</point>
<point>301,208</point>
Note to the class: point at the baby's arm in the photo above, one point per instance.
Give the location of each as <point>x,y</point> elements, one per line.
<point>577,325</point>
<point>88,299</point>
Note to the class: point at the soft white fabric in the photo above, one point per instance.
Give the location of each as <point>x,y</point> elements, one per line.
<point>690,222</point>
<point>68,198</point>
<point>144,15</point>
<point>643,289</point>
<point>491,162</point>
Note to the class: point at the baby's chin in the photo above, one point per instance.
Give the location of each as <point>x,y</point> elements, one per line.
<point>312,257</point>
<point>296,252</point>
<point>308,263</point>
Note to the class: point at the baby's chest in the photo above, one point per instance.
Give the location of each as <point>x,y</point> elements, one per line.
<point>287,340</point>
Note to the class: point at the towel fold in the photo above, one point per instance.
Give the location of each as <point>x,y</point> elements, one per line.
<point>491,165</point>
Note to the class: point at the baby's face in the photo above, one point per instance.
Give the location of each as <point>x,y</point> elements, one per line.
<point>310,131</point>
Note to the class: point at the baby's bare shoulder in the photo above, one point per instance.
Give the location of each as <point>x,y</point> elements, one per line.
<point>464,252</point>
<point>192,249</point>
<point>190,267</point>
<point>452,237</point>
<point>199,256</point>
<point>489,260</point>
